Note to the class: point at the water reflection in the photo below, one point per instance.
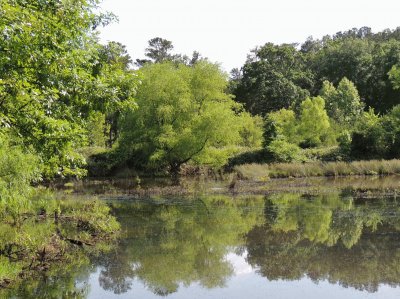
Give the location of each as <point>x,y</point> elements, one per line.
<point>172,246</point>
<point>328,238</point>
<point>178,243</point>
<point>286,236</point>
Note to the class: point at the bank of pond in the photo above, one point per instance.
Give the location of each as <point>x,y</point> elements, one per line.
<point>114,243</point>
<point>49,230</point>
<point>262,172</point>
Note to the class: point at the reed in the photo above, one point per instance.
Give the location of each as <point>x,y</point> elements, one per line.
<point>260,172</point>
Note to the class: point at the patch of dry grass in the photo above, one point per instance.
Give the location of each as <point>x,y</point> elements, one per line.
<point>261,172</point>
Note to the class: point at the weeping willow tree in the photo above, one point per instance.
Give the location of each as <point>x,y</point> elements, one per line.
<point>184,115</point>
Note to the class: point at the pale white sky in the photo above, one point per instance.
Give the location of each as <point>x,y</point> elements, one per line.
<point>226,30</point>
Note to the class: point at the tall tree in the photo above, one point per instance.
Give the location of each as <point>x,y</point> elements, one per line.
<point>115,84</point>
<point>184,115</point>
<point>160,50</point>
<point>314,122</point>
<point>274,77</point>
<point>364,61</point>
<point>342,103</point>
<point>48,50</point>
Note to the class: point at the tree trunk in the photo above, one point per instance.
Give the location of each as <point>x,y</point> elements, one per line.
<point>175,168</point>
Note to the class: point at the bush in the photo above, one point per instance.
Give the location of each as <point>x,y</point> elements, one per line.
<point>283,151</point>
<point>369,140</point>
<point>17,171</point>
<point>345,140</point>
<point>314,122</point>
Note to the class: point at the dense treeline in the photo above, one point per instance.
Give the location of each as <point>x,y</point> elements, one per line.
<point>282,76</point>
<point>66,99</point>
<point>340,90</point>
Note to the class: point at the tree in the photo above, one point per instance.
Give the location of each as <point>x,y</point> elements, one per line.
<point>285,123</point>
<point>365,60</point>
<point>342,103</point>
<point>281,76</point>
<point>313,122</point>
<point>368,140</point>
<point>394,76</point>
<point>50,78</point>
<point>113,88</point>
<point>284,151</point>
<point>160,50</point>
<point>274,77</point>
<point>377,137</point>
<point>184,115</point>
<point>114,53</point>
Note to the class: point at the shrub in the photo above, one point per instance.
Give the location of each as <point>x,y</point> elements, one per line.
<point>314,122</point>
<point>283,151</point>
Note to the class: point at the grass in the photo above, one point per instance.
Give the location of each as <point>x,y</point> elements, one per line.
<point>262,172</point>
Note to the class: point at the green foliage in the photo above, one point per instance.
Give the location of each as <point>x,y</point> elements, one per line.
<point>313,122</point>
<point>159,51</point>
<point>273,77</point>
<point>184,115</point>
<point>343,103</point>
<point>30,229</point>
<point>284,132</point>
<point>394,76</point>
<point>9,270</point>
<point>377,136</point>
<point>112,89</point>
<point>54,74</point>
<point>250,130</point>
<point>364,68</point>
<point>40,47</point>
<point>47,231</point>
<point>364,60</point>
<point>285,125</point>
<point>344,140</point>
<point>96,127</point>
<point>91,216</point>
<point>283,151</point>
<point>17,170</point>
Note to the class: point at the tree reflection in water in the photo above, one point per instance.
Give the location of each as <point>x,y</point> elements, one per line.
<point>169,243</point>
<point>179,242</point>
<point>328,238</point>
<point>286,236</point>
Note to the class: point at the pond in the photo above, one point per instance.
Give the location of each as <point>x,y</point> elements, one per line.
<point>256,246</point>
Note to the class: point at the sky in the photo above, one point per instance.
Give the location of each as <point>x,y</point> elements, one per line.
<point>226,30</point>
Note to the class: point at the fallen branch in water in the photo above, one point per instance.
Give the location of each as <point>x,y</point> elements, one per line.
<point>72,241</point>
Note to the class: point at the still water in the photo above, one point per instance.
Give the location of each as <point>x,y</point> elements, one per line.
<point>279,246</point>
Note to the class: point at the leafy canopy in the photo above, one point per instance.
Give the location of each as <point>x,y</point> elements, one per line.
<point>343,103</point>
<point>185,115</point>
<point>50,79</point>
